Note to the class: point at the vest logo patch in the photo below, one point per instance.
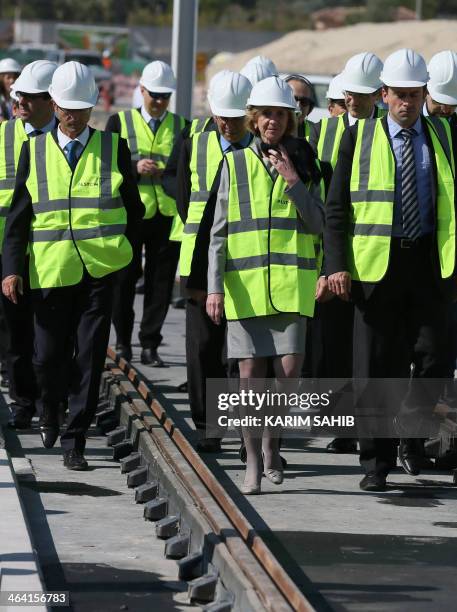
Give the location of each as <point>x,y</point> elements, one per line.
<point>94,183</point>
<point>283,202</point>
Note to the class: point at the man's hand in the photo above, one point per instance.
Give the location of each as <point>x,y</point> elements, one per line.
<point>323,293</point>
<point>12,286</point>
<point>147,166</point>
<point>215,307</point>
<point>340,284</point>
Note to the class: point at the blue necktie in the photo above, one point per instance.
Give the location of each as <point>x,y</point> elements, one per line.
<point>154,125</point>
<point>71,151</point>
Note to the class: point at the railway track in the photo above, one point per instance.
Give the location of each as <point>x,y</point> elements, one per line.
<point>226,563</point>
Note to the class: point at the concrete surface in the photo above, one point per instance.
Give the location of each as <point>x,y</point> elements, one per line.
<point>347,549</point>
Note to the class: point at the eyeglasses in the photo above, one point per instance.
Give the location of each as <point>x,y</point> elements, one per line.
<point>33,96</point>
<point>155,95</point>
<point>304,100</point>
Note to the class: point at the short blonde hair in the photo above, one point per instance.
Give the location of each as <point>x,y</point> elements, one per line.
<point>254,112</point>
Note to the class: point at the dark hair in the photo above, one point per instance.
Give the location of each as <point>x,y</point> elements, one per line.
<point>299,77</point>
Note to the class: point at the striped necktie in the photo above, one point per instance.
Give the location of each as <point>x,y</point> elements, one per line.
<point>71,150</point>
<point>154,125</point>
<point>410,207</point>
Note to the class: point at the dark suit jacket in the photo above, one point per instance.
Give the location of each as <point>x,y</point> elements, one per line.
<point>21,211</point>
<point>338,212</point>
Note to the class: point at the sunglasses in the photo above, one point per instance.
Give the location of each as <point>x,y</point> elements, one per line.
<point>159,96</point>
<point>33,96</point>
<point>303,100</point>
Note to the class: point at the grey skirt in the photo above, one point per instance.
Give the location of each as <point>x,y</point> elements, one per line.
<point>281,334</point>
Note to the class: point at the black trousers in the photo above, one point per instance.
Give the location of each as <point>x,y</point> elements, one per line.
<point>405,316</point>
<point>72,321</point>
<point>205,354</point>
<point>329,335</point>
<point>161,260</point>
<point>19,347</point>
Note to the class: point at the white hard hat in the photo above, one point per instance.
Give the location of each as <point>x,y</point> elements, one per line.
<point>35,77</point>
<point>404,68</point>
<point>272,91</point>
<point>442,85</point>
<point>13,95</point>
<point>229,95</point>
<point>73,86</point>
<point>259,68</point>
<point>335,89</point>
<point>361,73</point>
<point>9,65</point>
<point>158,77</point>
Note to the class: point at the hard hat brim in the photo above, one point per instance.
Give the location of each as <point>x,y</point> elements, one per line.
<point>73,104</point>
<point>441,98</point>
<point>219,111</point>
<point>356,88</point>
<point>404,83</point>
<point>275,105</point>
<point>18,86</point>
<point>157,88</point>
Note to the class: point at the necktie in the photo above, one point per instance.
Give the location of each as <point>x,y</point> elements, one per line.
<point>71,151</point>
<point>410,208</point>
<point>154,125</point>
<point>35,133</point>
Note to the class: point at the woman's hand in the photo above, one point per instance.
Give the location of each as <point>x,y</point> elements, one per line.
<point>283,164</point>
<point>215,307</point>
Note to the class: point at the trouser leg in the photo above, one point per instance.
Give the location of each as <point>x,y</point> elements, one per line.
<point>204,352</point>
<point>92,325</point>
<point>20,339</point>
<point>124,283</point>
<point>161,260</point>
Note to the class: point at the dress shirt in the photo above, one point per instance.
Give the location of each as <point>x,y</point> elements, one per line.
<point>353,120</point>
<point>423,177</point>
<point>82,138</point>
<point>28,127</point>
<point>225,144</point>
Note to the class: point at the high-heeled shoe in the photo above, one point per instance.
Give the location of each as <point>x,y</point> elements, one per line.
<point>251,489</point>
<point>275,476</point>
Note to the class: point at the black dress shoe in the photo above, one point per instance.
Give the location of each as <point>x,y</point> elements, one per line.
<point>124,351</point>
<point>22,418</point>
<point>342,446</point>
<point>373,482</point>
<point>49,435</point>
<point>209,445</point>
<point>151,357</point>
<point>74,460</point>
<point>412,462</point>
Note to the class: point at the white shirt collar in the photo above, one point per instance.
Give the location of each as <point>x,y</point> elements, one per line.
<point>147,117</point>
<point>28,127</point>
<point>64,140</point>
<point>353,120</point>
<point>425,110</point>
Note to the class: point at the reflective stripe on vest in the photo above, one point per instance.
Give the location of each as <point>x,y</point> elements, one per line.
<point>331,132</point>
<point>372,188</point>
<point>79,218</point>
<point>304,130</point>
<point>198,125</point>
<point>12,137</point>
<point>144,144</point>
<point>206,155</point>
<point>270,257</point>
